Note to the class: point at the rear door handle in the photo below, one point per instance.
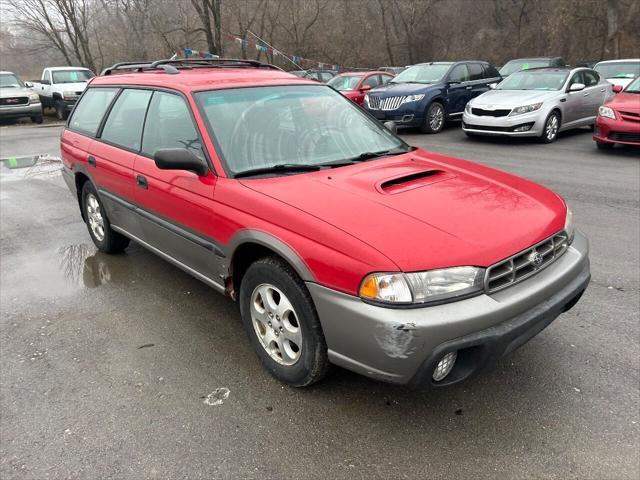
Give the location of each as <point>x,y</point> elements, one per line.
<point>92,160</point>
<point>469,87</point>
<point>142,182</point>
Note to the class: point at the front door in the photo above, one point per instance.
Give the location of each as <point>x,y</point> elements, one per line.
<point>175,206</point>
<point>459,90</point>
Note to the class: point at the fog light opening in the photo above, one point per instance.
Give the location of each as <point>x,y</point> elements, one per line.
<point>523,128</point>
<point>445,365</point>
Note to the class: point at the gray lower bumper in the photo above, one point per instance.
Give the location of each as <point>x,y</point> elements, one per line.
<point>398,345</point>
<point>31,110</point>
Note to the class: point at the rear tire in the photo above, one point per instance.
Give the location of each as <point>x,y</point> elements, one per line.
<point>434,119</point>
<point>37,119</point>
<point>282,324</point>
<point>551,128</point>
<point>104,237</point>
<point>604,145</point>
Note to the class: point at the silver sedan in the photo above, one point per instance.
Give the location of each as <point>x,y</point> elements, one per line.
<point>538,103</point>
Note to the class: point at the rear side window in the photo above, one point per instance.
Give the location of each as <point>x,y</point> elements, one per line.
<point>89,111</point>
<point>475,71</point>
<point>124,124</point>
<point>490,71</point>
<point>169,125</point>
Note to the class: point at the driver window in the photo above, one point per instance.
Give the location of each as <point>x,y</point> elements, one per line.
<point>577,78</point>
<point>590,78</point>
<point>372,81</point>
<point>460,73</point>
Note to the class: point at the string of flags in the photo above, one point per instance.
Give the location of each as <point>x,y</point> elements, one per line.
<point>298,60</point>
<point>191,53</point>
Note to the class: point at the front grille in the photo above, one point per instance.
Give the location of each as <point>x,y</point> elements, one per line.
<point>630,116</point>
<point>389,103</point>
<point>11,101</point>
<point>526,263</point>
<point>625,137</point>
<point>490,113</point>
<point>487,128</point>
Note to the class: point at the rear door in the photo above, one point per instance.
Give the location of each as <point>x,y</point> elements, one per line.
<point>459,90</point>
<point>477,79</point>
<point>596,93</point>
<point>176,206</point>
<point>113,155</point>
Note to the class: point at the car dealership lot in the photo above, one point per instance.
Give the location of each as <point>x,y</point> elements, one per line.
<point>108,361</point>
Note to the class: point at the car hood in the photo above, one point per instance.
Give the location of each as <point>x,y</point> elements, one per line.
<point>423,210</point>
<point>513,98</point>
<point>396,89</point>
<point>71,87</point>
<point>623,82</point>
<point>629,102</point>
<point>15,92</point>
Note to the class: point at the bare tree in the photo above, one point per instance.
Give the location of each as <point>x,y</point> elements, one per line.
<point>209,12</point>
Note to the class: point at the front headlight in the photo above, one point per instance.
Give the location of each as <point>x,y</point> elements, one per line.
<point>525,109</point>
<point>34,97</point>
<point>568,225</point>
<point>607,112</point>
<point>69,95</point>
<point>422,287</point>
<point>413,98</point>
<point>467,108</point>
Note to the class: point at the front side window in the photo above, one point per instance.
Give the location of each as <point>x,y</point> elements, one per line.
<point>534,81</point>
<point>72,76</point>
<point>577,78</point>
<point>9,80</point>
<point>124,124</point>
<point>459,74</point>
<point>430,73</point>
<point>89,111</point>
<point>262,127</point>
<point>373,81</point>
<point>345,83</point>
<point>590,78</point>
<point>169,125</point>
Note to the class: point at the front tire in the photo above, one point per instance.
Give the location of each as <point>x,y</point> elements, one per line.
<point>434,119</point>
<point>37,119</point>
<point>104,237</point>
<point>61,111</point>
<point>282,324</point>
<point>551,128</point>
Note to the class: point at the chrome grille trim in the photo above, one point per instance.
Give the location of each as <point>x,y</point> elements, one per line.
<point>389,103</point>
<point>520,266</point>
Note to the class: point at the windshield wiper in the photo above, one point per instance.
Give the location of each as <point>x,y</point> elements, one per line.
<point>363,157</point>
<point>280,168</point>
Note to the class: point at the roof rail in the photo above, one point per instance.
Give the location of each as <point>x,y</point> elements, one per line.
<point>172,67</point>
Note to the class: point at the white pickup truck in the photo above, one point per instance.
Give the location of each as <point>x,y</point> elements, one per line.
<point>60,88</point>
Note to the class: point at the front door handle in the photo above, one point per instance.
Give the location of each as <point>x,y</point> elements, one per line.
<point>92,160</point>
<point>142,182</point>
<point>469,87</point>
<point>586,94</point>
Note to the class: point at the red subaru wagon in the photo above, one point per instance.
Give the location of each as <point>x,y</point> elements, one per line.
<point>341,243</point>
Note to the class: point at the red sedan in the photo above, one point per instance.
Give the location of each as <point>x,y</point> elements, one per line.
<point>354,85</point>
<point>618,120</point>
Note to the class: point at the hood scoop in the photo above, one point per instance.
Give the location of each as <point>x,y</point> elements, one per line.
<point>413,180</point>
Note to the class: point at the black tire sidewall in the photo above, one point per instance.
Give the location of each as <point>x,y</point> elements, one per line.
<point>59,107</point>
<point>313,355</point>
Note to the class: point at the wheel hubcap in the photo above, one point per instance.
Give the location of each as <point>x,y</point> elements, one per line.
<point>436,118</point>
<point>94,216</point>
<point>552,127</point>
<point>276,324</point>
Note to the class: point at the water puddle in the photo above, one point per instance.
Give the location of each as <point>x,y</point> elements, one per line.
<point>82,265</point>
<point>18,168</point>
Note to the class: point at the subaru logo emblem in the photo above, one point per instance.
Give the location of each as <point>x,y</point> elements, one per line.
<point>535,258</point>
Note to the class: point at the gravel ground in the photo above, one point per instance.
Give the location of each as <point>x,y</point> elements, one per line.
<point>111,365</point>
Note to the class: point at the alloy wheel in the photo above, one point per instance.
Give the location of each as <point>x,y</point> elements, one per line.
<point>436,118</point>
<point>551,129</point>
<point>94,217</point>
<point>276,324</point>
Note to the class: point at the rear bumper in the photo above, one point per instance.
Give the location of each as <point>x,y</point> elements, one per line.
<point>19,111</point>
<point>404,345</point>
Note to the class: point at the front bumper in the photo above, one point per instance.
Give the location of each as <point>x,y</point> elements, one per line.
<point>504,126</point>
<point>616,131</point>
<point>19,111</point>
<point>403,117</point>
<point>404,345</point>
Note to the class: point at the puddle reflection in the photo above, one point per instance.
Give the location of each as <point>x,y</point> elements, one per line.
<point>83,264</point>
<point>30,166</point>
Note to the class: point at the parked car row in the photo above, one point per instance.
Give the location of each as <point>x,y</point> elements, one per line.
<point>341,243</point>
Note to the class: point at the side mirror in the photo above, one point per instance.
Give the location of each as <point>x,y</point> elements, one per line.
<point>454,82</point>
<point>492,85</point>
<point>45,82</point>
<point>576,87</point>
<point>365,88</point>
<point>391,126</point>
<point>179,159</point>
<point>616,88</point>
<point>28,84</point>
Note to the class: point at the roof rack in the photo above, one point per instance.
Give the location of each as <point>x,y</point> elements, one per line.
<point>172,67</point>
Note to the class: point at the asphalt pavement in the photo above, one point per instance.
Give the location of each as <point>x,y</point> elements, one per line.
<point>109,363</point>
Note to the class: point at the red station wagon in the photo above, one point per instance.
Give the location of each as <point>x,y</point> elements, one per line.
<point>341,243</point>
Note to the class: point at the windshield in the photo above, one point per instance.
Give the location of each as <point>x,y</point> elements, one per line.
<point>72,76</point>
<point>618,69</point>
<point>262,127</point>
<point>524,64</point>
<point>534,81</point>
<point>9,80</point>
<point>633,87</point>
<point>345,83</point>
<point>431,73</point>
